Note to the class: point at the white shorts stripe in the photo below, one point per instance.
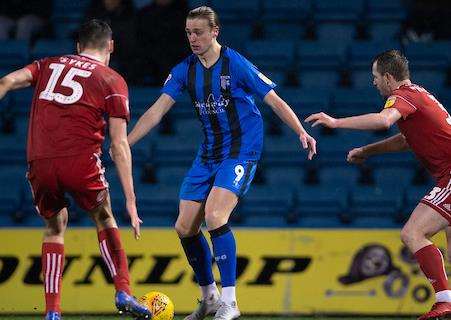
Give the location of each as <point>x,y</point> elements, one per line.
<point>444,197</point>
<point>101,170</point>
<point>438,196</point>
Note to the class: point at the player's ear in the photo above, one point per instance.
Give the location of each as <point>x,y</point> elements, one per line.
<point>111,46</point>
<point>387,78</point>
<point>78,48</point>
<point>390,78</point>
<point>216,31</point>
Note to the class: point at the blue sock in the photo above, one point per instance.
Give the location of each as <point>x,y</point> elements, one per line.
<point>224,248</point>
<point>199,257</point>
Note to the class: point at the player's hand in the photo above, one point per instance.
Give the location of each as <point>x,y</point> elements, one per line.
<point>134,218</point>
<point>356,156</point>
<point>308,142</point>
<point>322,119</point>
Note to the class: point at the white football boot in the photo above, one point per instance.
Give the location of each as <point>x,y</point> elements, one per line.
<point>227,312</point>
<point>206,307</point>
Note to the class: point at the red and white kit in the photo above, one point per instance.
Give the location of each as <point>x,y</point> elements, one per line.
<point>427,127</point>
<point>72,96</point>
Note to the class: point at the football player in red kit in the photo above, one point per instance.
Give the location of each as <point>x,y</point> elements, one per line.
<point>425,128</point>
<point>72,95</point>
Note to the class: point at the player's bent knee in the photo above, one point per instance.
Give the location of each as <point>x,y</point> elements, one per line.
<point>405,237</point>
<point>55,229</point>
<point>184,230</point>
<point>215,218</point>
<point>103,216</point>
<point>410,236</point>
<point>56,225</point>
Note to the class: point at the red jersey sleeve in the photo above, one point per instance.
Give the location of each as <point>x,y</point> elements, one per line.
<point>116,101</point>
<point>34,68</point>
<point>401,104</point>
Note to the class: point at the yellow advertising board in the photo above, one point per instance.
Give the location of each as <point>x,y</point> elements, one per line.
<point>302,271</point>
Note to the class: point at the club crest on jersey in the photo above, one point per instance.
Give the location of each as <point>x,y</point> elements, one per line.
<point>390,102</point>
<point>225,82</point>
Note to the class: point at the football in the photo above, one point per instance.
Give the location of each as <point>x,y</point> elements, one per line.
<point>159,304</point>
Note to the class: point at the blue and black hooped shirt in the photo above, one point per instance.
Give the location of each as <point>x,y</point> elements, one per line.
<point>222,97</point>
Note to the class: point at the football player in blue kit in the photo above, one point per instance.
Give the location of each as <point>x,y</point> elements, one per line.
<point>221,83</point>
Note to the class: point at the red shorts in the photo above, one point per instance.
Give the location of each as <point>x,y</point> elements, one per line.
<point>80,176</point>
<point>439,199</point>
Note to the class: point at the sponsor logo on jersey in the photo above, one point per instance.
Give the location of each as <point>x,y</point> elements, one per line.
<point>213,105</point>
<point>390,102</point>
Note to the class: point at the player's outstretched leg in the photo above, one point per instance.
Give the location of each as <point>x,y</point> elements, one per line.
<point>114,256</point>
<point>199,257</point>
<point>53,263</point>
<point>424,222</point>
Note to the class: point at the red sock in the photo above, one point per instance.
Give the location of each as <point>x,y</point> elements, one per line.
<point>115,258</point>
<point>431,262</point>
<point>52,270</point>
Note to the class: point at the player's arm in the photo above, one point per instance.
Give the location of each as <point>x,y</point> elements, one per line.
<point>15,80</point>
<point>371,121</point>
<point>286,114</point>
<point>395,143</point>
<point>151,118</point>
<point>120,152</point>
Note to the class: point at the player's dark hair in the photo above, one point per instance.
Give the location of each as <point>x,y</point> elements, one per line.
<point>94,34</point>
<point>206,13</point>
<point>394,63</point>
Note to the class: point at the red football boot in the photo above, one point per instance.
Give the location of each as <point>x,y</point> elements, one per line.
<point>438,310</point>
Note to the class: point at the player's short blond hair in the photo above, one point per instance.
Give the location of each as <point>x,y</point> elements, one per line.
<point>206,13</point>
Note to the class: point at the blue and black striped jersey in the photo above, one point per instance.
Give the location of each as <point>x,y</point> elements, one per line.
<point>222,97</point>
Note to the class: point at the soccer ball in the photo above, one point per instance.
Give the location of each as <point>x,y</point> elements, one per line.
<point>159,304</point>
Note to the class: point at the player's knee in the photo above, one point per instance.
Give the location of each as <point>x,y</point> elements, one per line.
<point>409,235</point>
<point>183,229</point>
<point>405,237</point>
<point>103,216</point>
<point>214,218</point>
<point>55,229</point>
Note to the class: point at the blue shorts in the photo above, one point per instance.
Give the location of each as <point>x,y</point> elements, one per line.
<point>232,174</point>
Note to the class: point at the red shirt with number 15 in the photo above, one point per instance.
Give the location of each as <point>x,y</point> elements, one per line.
<point>73,96</point>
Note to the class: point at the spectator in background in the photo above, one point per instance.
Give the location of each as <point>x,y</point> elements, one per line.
<point>161,34</point>
<point>428,20</point>
<point>120,15</point>
<point>23,19</point>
